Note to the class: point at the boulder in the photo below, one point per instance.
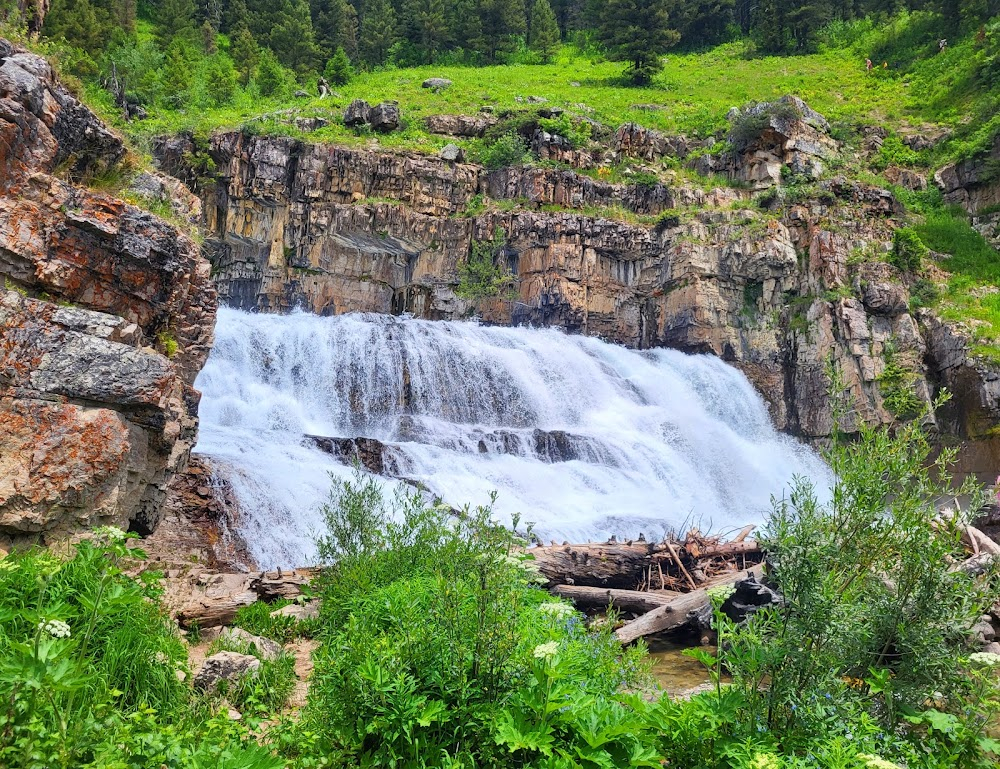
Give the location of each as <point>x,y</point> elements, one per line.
<point>634,140</point>
<point>357,113</point>
<point>225,666</point>
<point>905,178</point>
<point>452,153</point>
<point>460,125</point>
<point>264,648</point>
<point>299,611</point>
<point>881,289</point>
<point>384,117</point>
<point>437,83</point>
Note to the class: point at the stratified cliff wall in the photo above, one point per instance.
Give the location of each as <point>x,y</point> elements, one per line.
<point>106,317</point>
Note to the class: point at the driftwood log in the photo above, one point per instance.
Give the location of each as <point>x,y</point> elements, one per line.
<point>679,610</point>
<point>218,597</point>
<point>618,566</point>
<point>634,601</point>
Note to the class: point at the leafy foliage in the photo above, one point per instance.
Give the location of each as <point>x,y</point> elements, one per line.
<point>908,250</point>
<point>486,273</point>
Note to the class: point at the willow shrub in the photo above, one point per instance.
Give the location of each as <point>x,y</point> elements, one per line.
<point>439,649</point>
<point>869,659</point>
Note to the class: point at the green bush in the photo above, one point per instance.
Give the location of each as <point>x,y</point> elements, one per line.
<point>748,125</point>
<point>576,132</point>
<point>338,69</point>
<point>507,150</point>
<point>256,618</point>
<point>485,273</point>
<point>440,651</point>
<point>908,250</point>
<point>868,654</point>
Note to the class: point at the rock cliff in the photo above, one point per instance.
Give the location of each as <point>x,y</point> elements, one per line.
<point>682,263</point>
<point>106,317</point>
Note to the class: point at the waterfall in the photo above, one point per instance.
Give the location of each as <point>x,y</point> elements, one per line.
<point>583,438</point>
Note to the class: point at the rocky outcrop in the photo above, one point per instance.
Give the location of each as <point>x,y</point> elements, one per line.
<point>460,125</point>
<point>974,183</point>
<point>106,317</point>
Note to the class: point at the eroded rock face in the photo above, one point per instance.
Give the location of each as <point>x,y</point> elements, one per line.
<point>96,420</point>
<point>972,183</point>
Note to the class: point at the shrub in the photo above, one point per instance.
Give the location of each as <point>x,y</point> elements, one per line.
<point>509,149</point>
<point>272,79</point>
<point>908,250</point>
<point>485,273</point>
<point>440,651</point>
<point>896,384</point>
<point>577,133</point>
<point>750,122</point>
<point>868,652</point>
<point>338,69</point>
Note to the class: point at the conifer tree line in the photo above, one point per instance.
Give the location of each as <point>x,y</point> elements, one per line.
<point>336,36</point>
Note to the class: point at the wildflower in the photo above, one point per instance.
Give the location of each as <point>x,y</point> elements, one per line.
<point>55,628</point>
<point>112,534</point>
<point>161,658</point>
<point>546,650</point>
<point>556,609</point>
<point>720,593</point>
<point>986,659</point>
<point>877,762</point>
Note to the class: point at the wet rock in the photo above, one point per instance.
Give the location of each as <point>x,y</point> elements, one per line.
<point>225,666</point>
<point>749,596</point>
<point>369,452</point>
<point>437,83</point>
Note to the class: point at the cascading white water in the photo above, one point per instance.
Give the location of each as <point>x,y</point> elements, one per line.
<point>584,438</point>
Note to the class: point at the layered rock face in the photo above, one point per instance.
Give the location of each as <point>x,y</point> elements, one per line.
<point>106,317</point>
<point>678,264</point>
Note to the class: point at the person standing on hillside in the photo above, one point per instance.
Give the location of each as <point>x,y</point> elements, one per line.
<point>868,65</point>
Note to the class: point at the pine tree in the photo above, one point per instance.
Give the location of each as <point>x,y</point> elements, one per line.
<point>292,39</point>
<point>427,27</point>
<point>466,29</point>
<point>378,32</point>
<point>220,80</point>
<point>338,69</point>
<point>245,53</point>
<point>81,23</point>
<point>504,21</point>
<point>335,23</point>
<point>639,32</point>
<point>174,18</point>
<point>208,38</point>
<point>543,36</point>
<point>271,77</point>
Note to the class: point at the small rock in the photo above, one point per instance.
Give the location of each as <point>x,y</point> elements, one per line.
<point>452,153</point>
<point>233,714</point>
<point>209,634</point>
<point>298,611</point>
<point>437,83</point>
<point>266,648</point>
<point>749,596</point>
<point>574,84</point>
<point>300,94</point>
<point>228,666</point>
<point>993,647</point>
<point>536,100</point>
<point>550,112</point>
<point>983,630</point>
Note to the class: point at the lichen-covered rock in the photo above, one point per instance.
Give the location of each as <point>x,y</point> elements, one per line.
<point>356,113</point>
<point>437,83</point>
<point>96,420</point>
<point>225,666</point>
<point>385,117</point>
<point>262,648</point>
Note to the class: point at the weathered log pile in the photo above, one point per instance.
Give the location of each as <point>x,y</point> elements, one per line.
<point>661,584</point>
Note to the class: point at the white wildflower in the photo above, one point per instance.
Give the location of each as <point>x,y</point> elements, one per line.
<point>161,658</point>
<point>546,650</point>
<point>556,609</point>
<point>986,659</point>
<point>111,534</point>
<point>55,628</point>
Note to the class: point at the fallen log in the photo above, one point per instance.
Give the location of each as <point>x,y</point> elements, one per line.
<point>621,566</point>
<point>220,596</point>
<point>634,601</point>
<point>749,547</point>
<point>679,610</point>
<point>978,565</point>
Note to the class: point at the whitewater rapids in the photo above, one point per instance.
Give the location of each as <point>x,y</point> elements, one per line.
<point>583,438</point>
